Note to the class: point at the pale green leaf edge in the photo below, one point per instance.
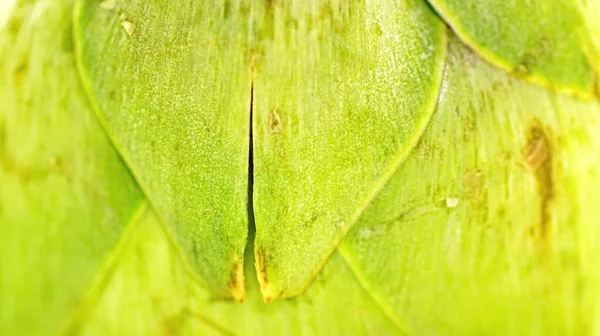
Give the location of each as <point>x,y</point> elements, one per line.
<point>454,24</point>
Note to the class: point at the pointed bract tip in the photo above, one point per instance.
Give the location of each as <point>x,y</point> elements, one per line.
<point>236,282</point>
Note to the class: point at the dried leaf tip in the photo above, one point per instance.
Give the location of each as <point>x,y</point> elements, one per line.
<point>269,292</point>
<point>236,283</point>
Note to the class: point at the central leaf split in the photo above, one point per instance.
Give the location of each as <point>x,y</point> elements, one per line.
<point>339,93</point>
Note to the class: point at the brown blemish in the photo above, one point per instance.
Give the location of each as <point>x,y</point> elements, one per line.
<point>261,267</point>
<point>275,125</point>
<point>473,182</point>
<point>11,165</point>
<point>268,291</point>
<point>530,58</point>
<point>271,3</point>
<point>236,281</point>
<point>538,160</point>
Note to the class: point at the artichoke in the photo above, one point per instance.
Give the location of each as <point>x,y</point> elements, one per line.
<point>317,167</point>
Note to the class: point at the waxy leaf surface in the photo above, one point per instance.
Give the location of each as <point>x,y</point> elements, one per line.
<point>342,92</point>
<point>171,83</point>
<point>545,42</point>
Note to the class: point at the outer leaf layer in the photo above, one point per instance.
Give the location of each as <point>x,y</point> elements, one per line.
<point>490,227</point>
<point>152,294</point>
<point>171,80</point>
<point>65,196</point>
<point>342,92</point>
<point>542,41</point>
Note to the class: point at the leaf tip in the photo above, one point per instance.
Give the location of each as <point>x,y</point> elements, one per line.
<point>269,290</point>
<point>236,282</point>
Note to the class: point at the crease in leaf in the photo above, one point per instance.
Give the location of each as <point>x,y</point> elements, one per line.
<point>492,216</point>
<point>342,92</point>
<point>171,83</point>
<point>543,42</point>
<point>103,277</point>
<point>150,284</point>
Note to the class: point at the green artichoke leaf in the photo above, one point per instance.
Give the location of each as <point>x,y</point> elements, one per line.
<point>545,42</point>
<point>170,81</point>
<point>151,293</point>
<point>490,225</point>
<point>66,197</point>
<point>342,92</point>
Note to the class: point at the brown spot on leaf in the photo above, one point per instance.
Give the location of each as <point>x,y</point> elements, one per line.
<point>236,281</point>
<point>261,267</point>
<point>275,125</point>
<point>538,159</point>
<point>473,182</point>
<point>271,3</point>
<point>269,291</point>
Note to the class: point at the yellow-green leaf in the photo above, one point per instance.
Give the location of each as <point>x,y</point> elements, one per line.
<point>170,81</point>
<point>342,92</point>
<point>490,226</point>
<point>545,42</point>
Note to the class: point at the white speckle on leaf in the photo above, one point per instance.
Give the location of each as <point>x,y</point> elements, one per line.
<point>451,202</point>
<point>129,27</point>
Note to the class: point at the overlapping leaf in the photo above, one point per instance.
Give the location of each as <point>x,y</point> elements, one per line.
<point>173,88</point>
<point>342,93</point>
<point>171,82</point>
<point>546,42</point>
<point>173,304</point>
<point>490,226</point>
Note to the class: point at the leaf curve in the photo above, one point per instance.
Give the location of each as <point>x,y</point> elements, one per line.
<point>527,39</point>
<point>490,226</point>
<point>342,92</point>
<point>65,195</point>
<point>170,80</point>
